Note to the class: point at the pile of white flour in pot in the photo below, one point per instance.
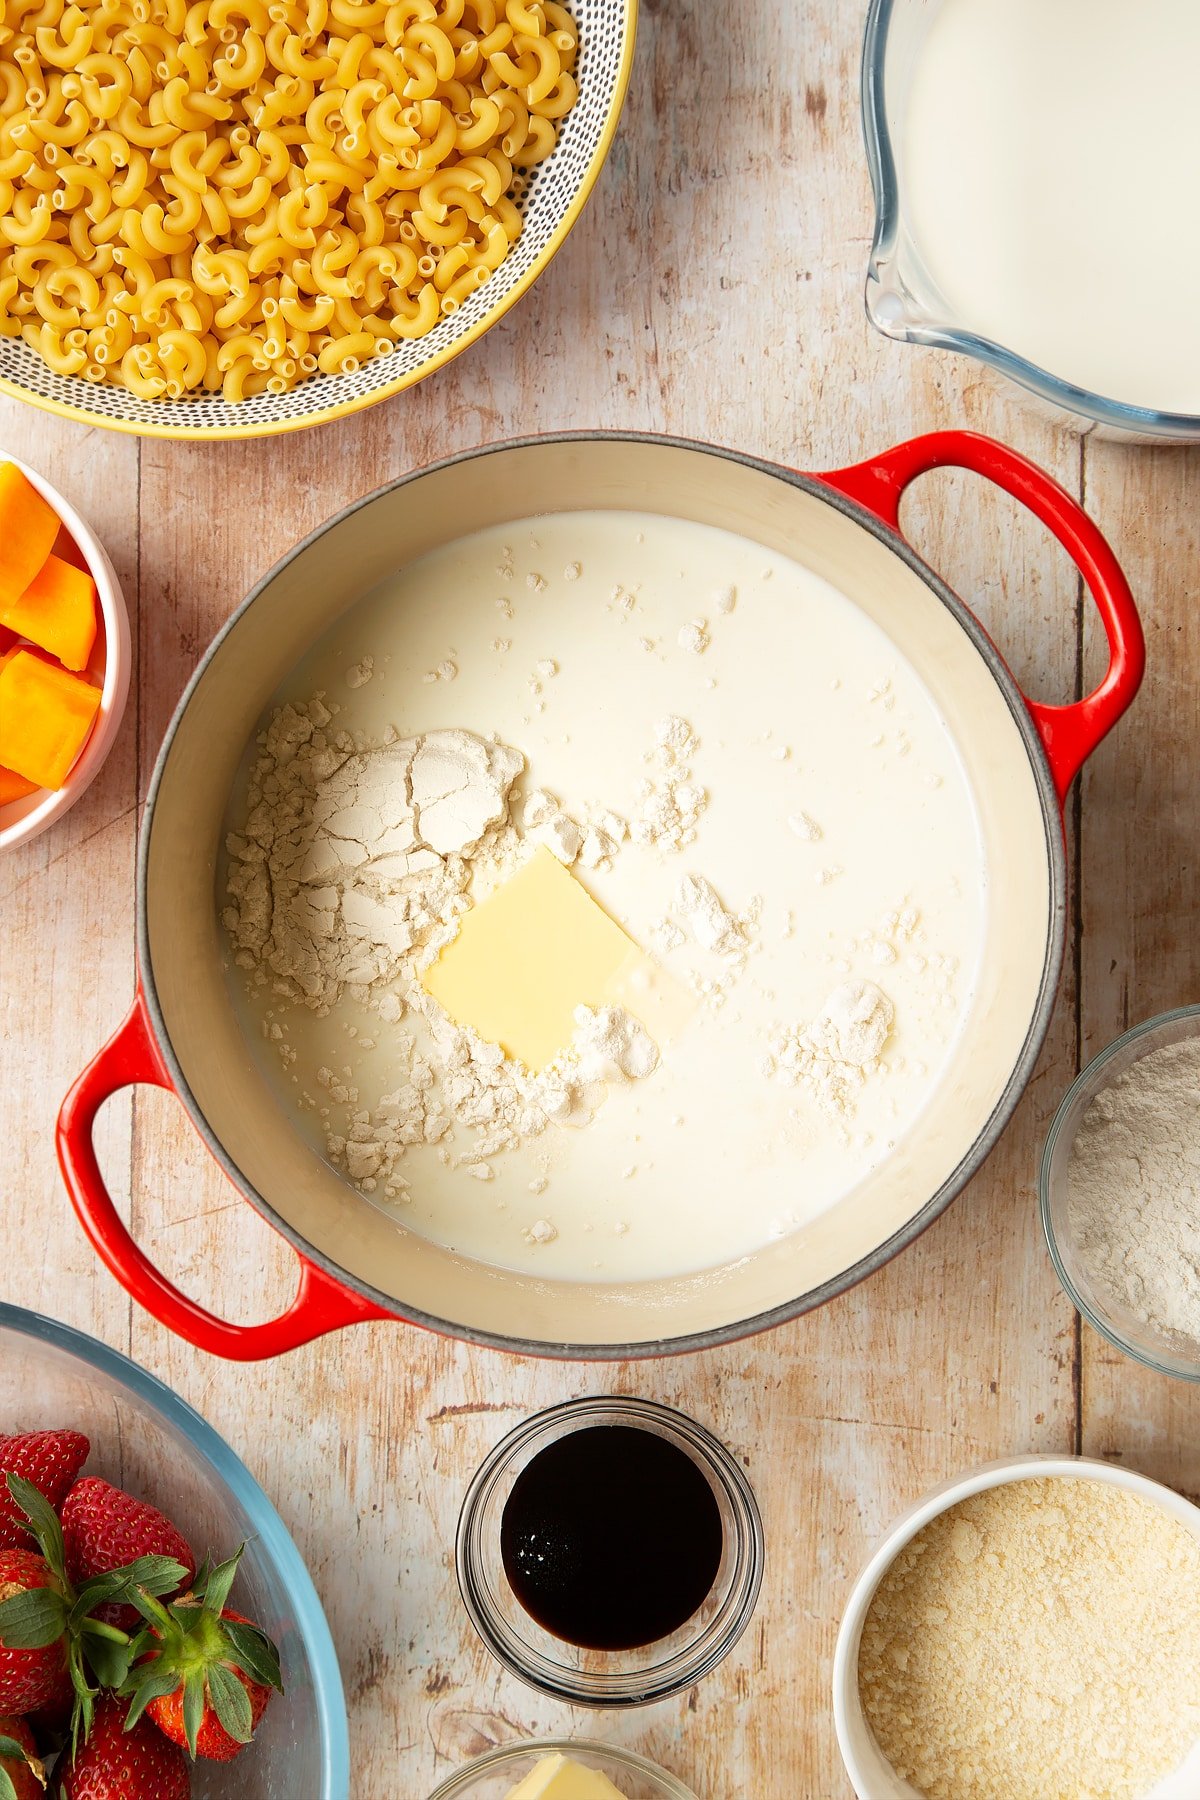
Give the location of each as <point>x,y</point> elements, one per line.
<point>350,874</point>
<point>734,766</point>
<point>1134,1190</point>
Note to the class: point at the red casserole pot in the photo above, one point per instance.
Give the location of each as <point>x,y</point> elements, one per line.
<point>356,1262</point>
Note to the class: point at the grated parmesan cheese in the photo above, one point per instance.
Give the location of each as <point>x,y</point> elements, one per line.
<point>1039,1641</point>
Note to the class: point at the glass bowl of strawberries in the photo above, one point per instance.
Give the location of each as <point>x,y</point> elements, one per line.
<point>150,1595</point>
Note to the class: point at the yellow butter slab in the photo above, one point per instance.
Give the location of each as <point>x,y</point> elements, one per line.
<point>557,1778</point>
<point>527,956</point>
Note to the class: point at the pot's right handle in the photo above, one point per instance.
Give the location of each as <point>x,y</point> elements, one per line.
<point>1069,733</point>
<point>320,1304</point>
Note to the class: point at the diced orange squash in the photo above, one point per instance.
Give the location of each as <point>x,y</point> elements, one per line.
<point>45,716</point>
<point>28,528</point>
<point>57,611</point>
<point>14,786</point>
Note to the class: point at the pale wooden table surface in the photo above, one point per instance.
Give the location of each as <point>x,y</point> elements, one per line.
<point>712,289</point>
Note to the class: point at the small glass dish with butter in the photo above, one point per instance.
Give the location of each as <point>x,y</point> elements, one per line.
<point>562,1769</point>
<point>590,1551</point>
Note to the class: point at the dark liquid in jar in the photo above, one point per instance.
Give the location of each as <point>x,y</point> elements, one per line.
<point>611,1538</point>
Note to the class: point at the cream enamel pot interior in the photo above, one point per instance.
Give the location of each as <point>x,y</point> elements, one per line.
<point>357,1262</point>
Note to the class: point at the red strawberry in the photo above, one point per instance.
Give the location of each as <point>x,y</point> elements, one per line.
<point>26,1776</point>
<point>50,1460</point>
<point>30,1678</point>
<point>116,1764</point>
<point>104,1529</point>
<point>208,1676</point>
<point>212,1740</point>
<point>49,1628</point>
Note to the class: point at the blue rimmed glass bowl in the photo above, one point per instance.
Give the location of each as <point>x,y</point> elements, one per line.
<point>144,1438</point>
<point>903,300</point>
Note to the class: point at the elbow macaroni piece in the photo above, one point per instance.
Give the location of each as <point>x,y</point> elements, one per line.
<point>232,195</point>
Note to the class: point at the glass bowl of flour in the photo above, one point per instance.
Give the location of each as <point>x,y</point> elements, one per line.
<point>1120,1193</point>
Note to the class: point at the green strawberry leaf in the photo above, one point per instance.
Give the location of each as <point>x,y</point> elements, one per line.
<point>7,1790</point>
<point>252,1651</point>
<point>188,1618</point>
<point>215,1591</point>
<point>150,1608</point>
<point>151,1574</point>
<point>100,1628</point>
<point>143,1688</point>
<point>32,1620</point>
<point>109,1661</point>
<point>231,1703</point>
<point>83,1710</point>
<point>193,1709</point>
<point>156,1574</point>
<point>43,1523</point>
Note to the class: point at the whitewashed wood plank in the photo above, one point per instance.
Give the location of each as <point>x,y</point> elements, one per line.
<point>1142,878</point>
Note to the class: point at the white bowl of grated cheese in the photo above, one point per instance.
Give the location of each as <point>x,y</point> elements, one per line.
<point>1051,1579</point>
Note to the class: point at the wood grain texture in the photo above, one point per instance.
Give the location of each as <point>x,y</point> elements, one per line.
<point>713,289</point>
<point>1141,880</point>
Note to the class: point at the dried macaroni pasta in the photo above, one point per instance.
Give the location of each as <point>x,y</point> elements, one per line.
<point>234,194</point>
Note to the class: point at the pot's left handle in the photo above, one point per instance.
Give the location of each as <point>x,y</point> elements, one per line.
<point>1069,733</point>
<point>320,1304</point>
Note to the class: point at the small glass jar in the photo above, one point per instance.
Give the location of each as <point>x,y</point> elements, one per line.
<point>607,1678</point>
<point>494,1776</point>
<point>1158,1350</point>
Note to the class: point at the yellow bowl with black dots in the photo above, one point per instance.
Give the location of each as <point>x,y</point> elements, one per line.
<point>550,198</point>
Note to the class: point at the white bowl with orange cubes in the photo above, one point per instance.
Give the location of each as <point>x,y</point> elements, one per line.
<point>64,654</point>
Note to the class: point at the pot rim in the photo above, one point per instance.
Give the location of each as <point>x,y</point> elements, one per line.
<point>959,1176</point>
